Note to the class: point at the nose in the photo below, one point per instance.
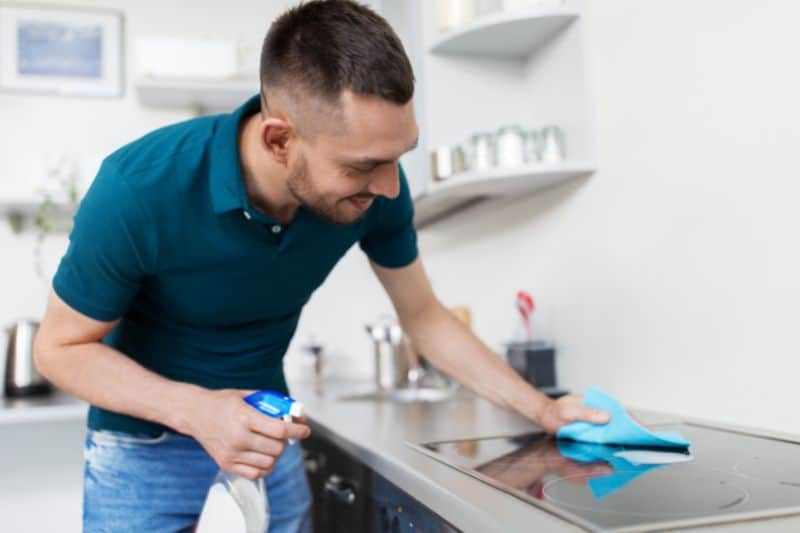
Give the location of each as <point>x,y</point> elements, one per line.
<point>386,182</point>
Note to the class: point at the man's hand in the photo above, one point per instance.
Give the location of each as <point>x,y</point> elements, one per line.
<point>238,437</point>
<point>557,413</point>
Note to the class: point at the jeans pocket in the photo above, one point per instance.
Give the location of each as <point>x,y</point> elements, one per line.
<point>109,437</point>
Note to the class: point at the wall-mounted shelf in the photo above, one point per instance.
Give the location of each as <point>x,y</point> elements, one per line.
<point>54,407</point>
<point>513,34</point>
<point>203,96</point>
<point>471,187</point>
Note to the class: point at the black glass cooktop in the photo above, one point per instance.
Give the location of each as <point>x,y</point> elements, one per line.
<point>725,476</point>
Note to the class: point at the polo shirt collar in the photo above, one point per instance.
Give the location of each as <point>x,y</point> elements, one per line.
<point>227,187</point>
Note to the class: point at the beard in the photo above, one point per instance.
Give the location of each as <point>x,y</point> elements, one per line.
<point>300,186</point>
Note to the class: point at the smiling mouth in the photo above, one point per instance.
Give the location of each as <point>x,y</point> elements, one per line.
<point>362,204</point>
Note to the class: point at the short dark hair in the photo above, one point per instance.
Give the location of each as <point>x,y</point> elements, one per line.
<point>323,47</point>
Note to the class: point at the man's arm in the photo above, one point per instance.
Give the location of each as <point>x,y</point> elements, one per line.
<point>451,347</point>
<point>68,351</point>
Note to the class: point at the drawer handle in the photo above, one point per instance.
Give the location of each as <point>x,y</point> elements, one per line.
<point>341,489</point>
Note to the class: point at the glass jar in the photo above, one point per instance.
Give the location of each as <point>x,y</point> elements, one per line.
<point>482,152</point>
<point>510,146</point>
<point>554,148</point>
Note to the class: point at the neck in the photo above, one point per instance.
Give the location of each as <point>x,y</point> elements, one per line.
<point>264,178</point>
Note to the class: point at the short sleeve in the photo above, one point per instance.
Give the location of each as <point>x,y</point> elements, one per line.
<point>390,239</point>
<point>110,250</point>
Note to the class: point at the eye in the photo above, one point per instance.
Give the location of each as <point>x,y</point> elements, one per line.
<point>365,170</point>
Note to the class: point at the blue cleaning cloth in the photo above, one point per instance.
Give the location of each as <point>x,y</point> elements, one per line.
<point>621,429</point>
<point>624,471</point>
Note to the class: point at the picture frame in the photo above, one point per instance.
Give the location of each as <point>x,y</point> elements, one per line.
<point>66,51</point>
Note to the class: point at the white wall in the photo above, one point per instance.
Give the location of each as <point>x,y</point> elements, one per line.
<point>671,276</point>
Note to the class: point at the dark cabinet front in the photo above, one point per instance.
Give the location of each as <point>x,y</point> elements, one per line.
<point>340,488</point>
<point>348,497</point>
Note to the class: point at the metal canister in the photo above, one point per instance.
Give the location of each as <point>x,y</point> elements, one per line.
<point>447,161</point>
<point>553,145</point>
<point>482,153</point>
<point>510,146</point>
<point>391,349</point>
<point>441,163</point>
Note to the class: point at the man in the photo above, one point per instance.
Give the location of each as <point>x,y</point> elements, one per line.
<point>196,248</point>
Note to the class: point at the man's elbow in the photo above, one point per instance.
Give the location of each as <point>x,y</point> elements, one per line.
<point>422,315</point>
<point>44,353</point>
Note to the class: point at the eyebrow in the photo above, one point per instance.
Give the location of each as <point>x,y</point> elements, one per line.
<point>371,161</point>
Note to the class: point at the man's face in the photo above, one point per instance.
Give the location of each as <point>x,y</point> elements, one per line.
<point>339,173</point>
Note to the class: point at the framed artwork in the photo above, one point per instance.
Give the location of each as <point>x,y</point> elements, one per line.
<point>61,50</point>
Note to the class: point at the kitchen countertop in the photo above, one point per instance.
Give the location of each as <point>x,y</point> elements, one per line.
<point>375,433</point>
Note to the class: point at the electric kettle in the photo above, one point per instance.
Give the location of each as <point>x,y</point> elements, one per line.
<point>21,376</point>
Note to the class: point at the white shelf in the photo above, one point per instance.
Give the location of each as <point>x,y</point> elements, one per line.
<point>202,95</point>
<point>470,187</point>
<point>55,407</point>
<point>512,34</point>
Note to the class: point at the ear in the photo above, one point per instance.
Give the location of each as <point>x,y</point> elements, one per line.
<point>276,134</point>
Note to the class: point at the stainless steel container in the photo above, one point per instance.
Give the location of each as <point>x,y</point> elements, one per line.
<point>553,145</point>
<point>392,354</point>
<point>482,153</point>
<point>21,376</point>
<point>446,161</point>
<point>510,146</point>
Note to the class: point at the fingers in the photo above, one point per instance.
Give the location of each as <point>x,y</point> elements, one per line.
<point>253,451</point>
<point>258,461</point>
<point>595,416</point>
<point>276,429</point>
<point>296,431</point>
<point>257,442</point>
<point>570,411</point>
<point>248,471</point>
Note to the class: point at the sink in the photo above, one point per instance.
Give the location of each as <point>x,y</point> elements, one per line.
<point>404,395</point>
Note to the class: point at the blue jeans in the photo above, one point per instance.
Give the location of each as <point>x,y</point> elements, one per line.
<point>154,484</point>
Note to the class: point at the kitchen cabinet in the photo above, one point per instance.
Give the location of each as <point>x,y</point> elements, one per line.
<point>350,497</point>
<point>395,511</point>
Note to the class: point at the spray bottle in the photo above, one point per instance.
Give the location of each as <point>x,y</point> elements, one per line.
<point>235,503</point>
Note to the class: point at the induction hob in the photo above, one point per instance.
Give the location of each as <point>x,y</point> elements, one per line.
<point>725,476</point>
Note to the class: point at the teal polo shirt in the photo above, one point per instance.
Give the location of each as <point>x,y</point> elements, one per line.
<point>208,290</point>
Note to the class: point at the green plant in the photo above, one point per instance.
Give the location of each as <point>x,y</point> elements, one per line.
<point>54,214</point>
